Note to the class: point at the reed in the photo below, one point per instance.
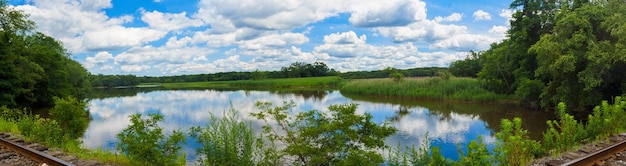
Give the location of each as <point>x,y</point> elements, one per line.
<point>463,89</point>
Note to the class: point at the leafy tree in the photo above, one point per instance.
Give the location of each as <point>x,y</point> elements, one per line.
<point>35,67</point>
<point>257,75</point>
<point>394,74</point>
<point>583,55</point>
<point>468,67</point>
<point>144,141</point>
<point>337,137</point>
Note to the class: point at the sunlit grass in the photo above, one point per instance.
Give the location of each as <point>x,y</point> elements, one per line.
<point>463,89</point>
<point>8,126</point>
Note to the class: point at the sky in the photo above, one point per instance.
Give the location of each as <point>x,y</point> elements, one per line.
<point>180,37</point>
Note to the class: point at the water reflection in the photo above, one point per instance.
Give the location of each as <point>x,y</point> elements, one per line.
<point>446,123</point>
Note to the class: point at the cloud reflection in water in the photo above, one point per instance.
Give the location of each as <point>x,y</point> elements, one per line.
<point>186,108</point>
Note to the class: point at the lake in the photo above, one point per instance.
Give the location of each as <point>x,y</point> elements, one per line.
<point>446,123</point>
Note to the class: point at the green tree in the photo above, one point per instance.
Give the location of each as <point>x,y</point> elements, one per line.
<point>337,137</point>
<point>394,74</point>
<point>469,67</point>
<point>35,67</point>
<point>583,55</point>
<point>144,141</point>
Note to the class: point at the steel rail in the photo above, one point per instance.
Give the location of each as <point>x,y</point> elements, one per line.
<point>595,157</point>
<point>40,157</point>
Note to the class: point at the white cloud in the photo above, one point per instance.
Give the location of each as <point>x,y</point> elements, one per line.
<point>508,14</point>
<point>274,41</point>
<point>481,15</point>
<point>227,15</point>
<point>169,21</point>
<point>425,31</point>
<point>386,13</point>
<point>134,68</point>
<point>344,38</point>
<point>465,42</point>
<point>499,30</point>
<point>84,27</point>
<point>451,18</point>
<point>99,59</point>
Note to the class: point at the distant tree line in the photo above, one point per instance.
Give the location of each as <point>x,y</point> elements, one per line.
<point>570,51</point>
<point>414,72</point>
<point>296,69</point>
<point>34,68</point>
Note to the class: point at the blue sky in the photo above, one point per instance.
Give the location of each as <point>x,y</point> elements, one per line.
<point>174,37</point>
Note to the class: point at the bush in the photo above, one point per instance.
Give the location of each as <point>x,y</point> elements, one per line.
<point>514,146</point>
<point>227,141</point>
<point>43,130</point>
<point>337,137</point>
<point>563,134</point>
<point>144,141</point>
<point>71,116</point>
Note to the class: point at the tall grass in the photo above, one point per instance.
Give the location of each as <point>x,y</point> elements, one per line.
<point>464,89</point>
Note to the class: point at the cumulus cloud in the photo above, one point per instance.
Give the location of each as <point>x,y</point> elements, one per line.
<point>226,16</point>
<point>481,15</point>
<point>169,21</point>
<point>451,18</point>
<point>508,14</point>
<point>99,59</point>
<point>389,13</point>
<point>84,27</point>
<point>425,31</point>
<point>349,37</point>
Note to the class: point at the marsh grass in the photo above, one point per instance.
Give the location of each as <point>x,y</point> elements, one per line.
<point>463,89</point>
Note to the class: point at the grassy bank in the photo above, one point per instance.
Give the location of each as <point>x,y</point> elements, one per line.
<point>307,82</point>
<point>463,89</point>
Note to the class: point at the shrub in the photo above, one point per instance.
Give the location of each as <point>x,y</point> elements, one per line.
<point>144,141</point>
<point>71,116</point>
<point>337,137</point>
<point>514,146</point>
<point>227,141</point>
<point>563,134</point>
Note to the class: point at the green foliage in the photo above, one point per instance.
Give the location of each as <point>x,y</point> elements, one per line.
<point>144,141</point>
<point>465,89</point>
<point>227,141</point>
<point>257,75</point>
<point>42,130</point>
<point>607,120</point>
<point>563,134</point>
<point>394,74</point>
<point>569,51</point>
<point>528,92</point>
<point>308,82</point>
<point>477,154</point>
<point>469,67</point>
<point>71,116</point>
<point>514,146</point>
<point>301,69</point>
<point>34,67</point>
<point>337,137</point>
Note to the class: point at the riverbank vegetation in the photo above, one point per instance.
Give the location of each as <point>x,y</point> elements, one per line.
<point>556,51</point>
<point>455,88</point>
<point>306,82</point>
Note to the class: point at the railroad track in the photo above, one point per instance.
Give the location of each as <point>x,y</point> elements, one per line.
<point>611,152</point>
<point>14,151</point>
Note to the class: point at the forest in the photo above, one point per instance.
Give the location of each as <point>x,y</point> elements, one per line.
<point>34,67</point>
<point>556,51</point>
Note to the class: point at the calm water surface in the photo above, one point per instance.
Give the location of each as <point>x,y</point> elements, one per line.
<point>447,123</point>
